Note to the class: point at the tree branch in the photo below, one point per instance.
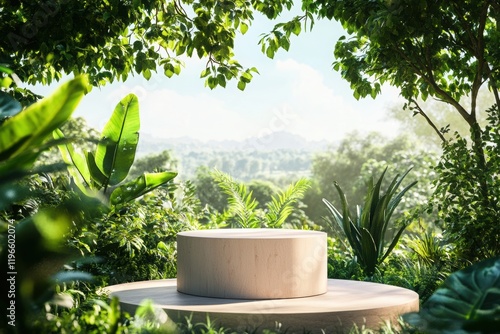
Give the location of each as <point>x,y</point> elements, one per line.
<point>479,54</point>
<point>420,111</point>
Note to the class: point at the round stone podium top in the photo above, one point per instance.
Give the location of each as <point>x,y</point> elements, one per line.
<point>251,233</point>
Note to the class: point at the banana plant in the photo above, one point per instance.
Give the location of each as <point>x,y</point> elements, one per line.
<point>40,248</point>
<point>366,230</point>
<point>104,170</point>
<point>24,134</point>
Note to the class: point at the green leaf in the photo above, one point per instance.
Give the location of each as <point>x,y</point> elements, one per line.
<point>29,128</point>
<point>467,302</point>
<point>115,151</point>
<point>296,28</point>
<point>270,52</point>
<point>140,186</point>
<point>241,85</point>
<point>77,164</point>
<point>243,28</point>
<point>98,179</point>
<point>281,206</point>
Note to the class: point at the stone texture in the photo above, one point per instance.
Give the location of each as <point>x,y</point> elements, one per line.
<point>252,263</point>
<point>345,303</point>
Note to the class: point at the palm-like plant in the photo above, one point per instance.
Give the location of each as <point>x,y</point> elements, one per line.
<point>366,230</point>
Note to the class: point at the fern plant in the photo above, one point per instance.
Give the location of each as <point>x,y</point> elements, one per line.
<point>366,230</point>
<point>242,206</point>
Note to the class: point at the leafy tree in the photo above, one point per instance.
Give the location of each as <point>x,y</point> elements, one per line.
<point>114,39</point>
<point>444,50</point>
<point>470,219</point>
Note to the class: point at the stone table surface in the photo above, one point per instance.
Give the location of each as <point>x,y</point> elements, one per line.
<point>345,303</point>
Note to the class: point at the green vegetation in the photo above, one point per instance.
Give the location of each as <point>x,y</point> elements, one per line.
<point>90,216</point>
<point>367,229</point>
<point>468,301</point>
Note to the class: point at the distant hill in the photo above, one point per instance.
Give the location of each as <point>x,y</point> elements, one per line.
<point>271,142</point>
<point>278,154</point>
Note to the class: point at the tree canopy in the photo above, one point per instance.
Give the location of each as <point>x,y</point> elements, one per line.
<point>110,40</point>
<point>446,50</point>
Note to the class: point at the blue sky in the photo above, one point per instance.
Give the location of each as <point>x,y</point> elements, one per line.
<point>297,91</point>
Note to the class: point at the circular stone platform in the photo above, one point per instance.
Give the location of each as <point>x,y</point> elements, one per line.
<point>345,303</point>
<point>252,263</point>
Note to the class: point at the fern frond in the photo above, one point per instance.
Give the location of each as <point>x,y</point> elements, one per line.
<point>281,205</point>
<point>241,204</point>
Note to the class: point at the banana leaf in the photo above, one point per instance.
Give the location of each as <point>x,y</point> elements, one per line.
<point>140,186</point>
<point>115,152</point>
<point>31,127</point>
<point>78,168</point>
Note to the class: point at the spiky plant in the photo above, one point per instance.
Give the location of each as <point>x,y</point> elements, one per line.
<point>366,230</point>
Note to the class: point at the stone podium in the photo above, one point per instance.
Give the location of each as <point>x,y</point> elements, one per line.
<point>250,280</point>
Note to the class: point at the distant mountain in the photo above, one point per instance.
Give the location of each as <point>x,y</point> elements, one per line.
<point>271,142</point>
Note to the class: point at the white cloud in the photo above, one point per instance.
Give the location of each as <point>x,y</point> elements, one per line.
<point>322,111</point>
<point>289,96</point>
<point>167,114</point>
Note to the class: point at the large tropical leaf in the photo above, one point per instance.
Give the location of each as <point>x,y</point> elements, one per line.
<point>77,164</point>
<point>140,186</point>
<point>469,302</point>
<point>98,179</point>
<point>115,152</point>
<point>31,127</point>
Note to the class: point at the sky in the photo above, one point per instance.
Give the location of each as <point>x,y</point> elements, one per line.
<point>298,92</point>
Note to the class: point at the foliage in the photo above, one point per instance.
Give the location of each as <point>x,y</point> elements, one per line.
<point>33,236</point>
<point>242,207</point>
<point>356,159</point>
<point>112,40</point>
<point>467,193</point>
<point>429,248</point>
<point>138,242</point>
<point>366,230</point>
<point>467,303</point>
<point>160,162</point>
<point>112,159</point>
<point>208,192</point>
<point>424,48</point>
<point>24,133</point>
